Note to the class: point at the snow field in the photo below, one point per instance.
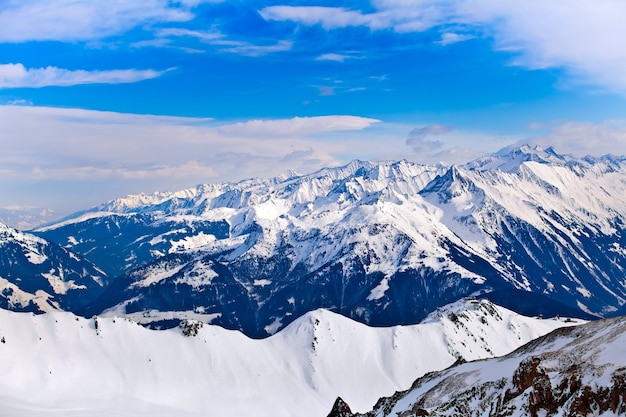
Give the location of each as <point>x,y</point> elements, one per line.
<point>60,364</point>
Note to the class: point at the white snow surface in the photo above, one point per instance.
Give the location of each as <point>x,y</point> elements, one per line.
<point>58,364</point>
<point>592,352</point>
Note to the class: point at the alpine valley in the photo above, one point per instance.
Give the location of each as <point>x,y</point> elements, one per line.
<point>350,281</point>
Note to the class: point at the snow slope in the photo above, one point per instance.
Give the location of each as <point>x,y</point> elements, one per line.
<point>58,364</point>
<point>578,371</point>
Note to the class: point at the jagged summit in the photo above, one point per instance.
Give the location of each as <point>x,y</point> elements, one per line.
<point>510,159</point>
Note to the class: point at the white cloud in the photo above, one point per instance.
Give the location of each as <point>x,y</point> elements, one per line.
<point>418,137</point>
<point>185,170</point>
<point>297,126</point>
<point>248,49</point>
<point>205,36</point>
<point>195,3</point>
<point>71,20</point>
<point>582,139</point>
<point>333,57</point>
<point>336,57</point>
<point>583,37</point>
<point>399,15</point>
<point>214,37</point>
<point>328,17</point>
<point>449,38</point>
<point>16,76</point>
<point>93,153</point>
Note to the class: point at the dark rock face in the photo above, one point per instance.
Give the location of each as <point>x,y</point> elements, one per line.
<point>571,396</point>
<point>570,372</point>
<point>340,409</point>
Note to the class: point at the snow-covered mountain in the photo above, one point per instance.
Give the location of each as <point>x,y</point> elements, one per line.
<point>24,218</point>
<point>575,371</point>
<point>40,276</point>
<point>61,364</point>
<point>382,242</point>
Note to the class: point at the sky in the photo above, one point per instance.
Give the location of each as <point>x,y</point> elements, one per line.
<point>104,98</point>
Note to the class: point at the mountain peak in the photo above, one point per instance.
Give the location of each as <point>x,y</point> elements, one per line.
<point>509,159</point>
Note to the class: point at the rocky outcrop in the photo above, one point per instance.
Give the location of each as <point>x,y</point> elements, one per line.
<point>572,372</point>
<point>340,409</point>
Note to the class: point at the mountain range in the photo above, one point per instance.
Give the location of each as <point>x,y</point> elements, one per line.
<point>384,243</point>
<point>277,296</point>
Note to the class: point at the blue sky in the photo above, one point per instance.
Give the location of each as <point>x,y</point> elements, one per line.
<point>103,98</point>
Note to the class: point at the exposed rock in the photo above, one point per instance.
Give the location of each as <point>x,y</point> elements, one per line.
<point>340,409</point>
<point>567,373</point>
<point>190,328</point>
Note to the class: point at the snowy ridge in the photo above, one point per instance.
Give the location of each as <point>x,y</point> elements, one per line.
<point>58,363</point>
<point>577,371</point>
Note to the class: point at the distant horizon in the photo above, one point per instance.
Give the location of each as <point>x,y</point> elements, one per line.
<point>100,100</point>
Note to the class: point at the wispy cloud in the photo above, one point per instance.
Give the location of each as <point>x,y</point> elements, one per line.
<point>326,90</point>
<point>69,20</point>
<point>169,37</point>
<point>248,49</point>
<point>581,139</point>
<point>449,38</point>
<point>335,57</point>
<point>328,17</point>
<point>18,76</point>
<point>583,37</point>
<point>141,152</point>
<point>418,137</point>
<point>209,36</point>
<point>401,16</point>
<point>297,126</point>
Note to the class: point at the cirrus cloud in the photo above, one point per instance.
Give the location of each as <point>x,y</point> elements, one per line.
<point>297,126</point>
<point>584,38</point>
<point>18,76</point>
<point>70,20</point>
<point>584,138</point>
